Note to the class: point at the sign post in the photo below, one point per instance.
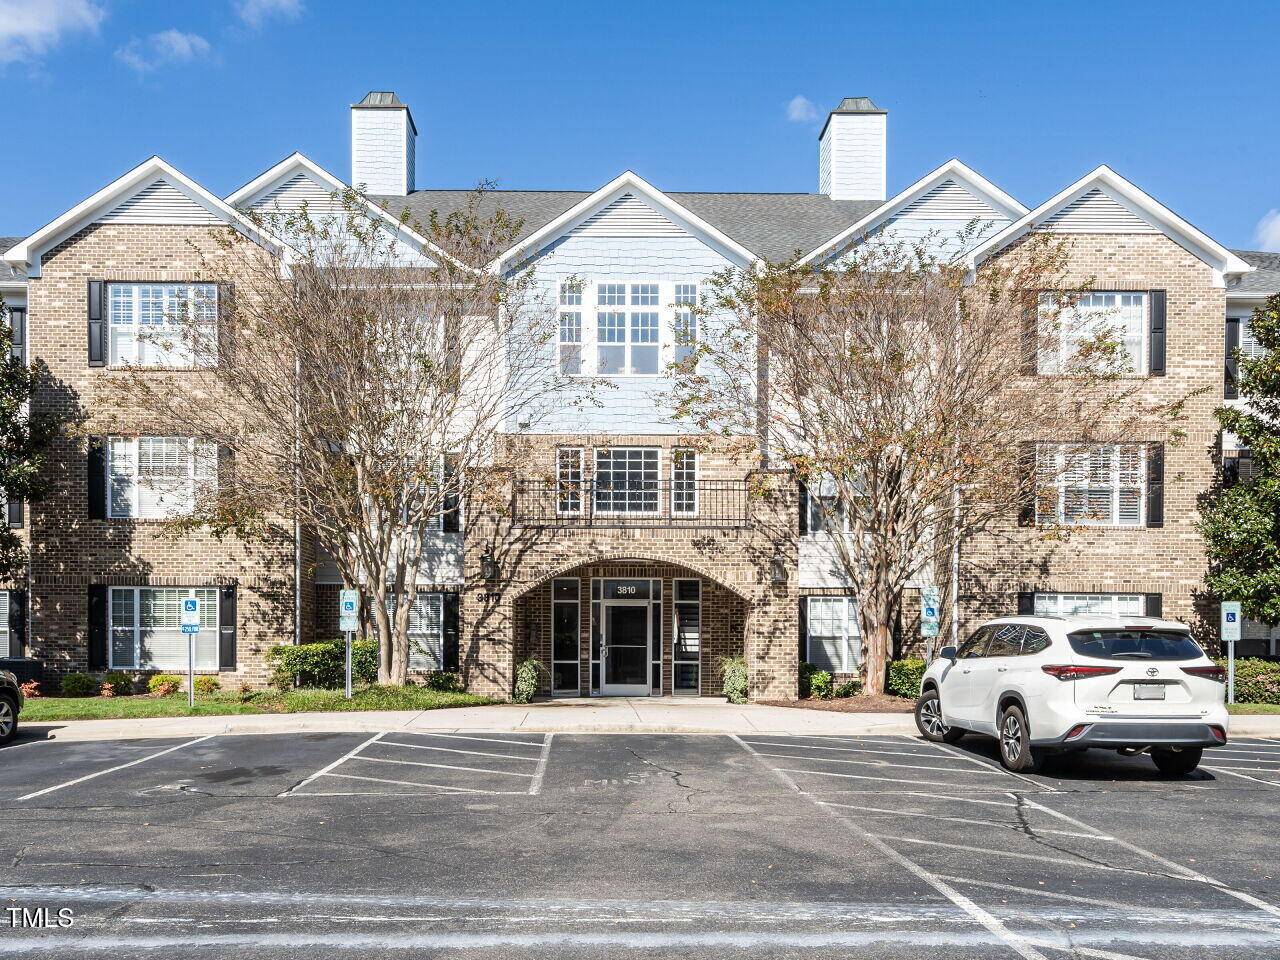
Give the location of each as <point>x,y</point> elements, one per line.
<point>930,616</point>
<point>348,617</point>
<point>1230,634</point>
<point>191,626</point>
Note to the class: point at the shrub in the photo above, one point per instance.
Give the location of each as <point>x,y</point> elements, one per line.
<point>849,688</point>
<point>527,673</point>
<point>1257,680</point>
<point>207,684</point>
<point>733,679</point>
<point>820,685</point>
<point>79,685</point>
<point>443,681</point>
<point>163,684</point>
<point>121,685</point>
<point>904,677</point>
<point>323,664</point>
<point>807,670</point>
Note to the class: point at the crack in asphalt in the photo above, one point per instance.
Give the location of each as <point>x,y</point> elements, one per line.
<point>675,775</point>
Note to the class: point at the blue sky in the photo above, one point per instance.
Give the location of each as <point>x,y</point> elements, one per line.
<point>692,96</point>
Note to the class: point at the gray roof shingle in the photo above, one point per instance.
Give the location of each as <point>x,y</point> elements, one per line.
<point>771,225</point>
<point>1265,279</point>
<point>6,271</point>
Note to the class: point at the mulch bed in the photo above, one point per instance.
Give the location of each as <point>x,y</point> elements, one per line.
<point>862,703</point>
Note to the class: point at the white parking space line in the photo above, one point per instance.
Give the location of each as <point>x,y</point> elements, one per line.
<point>410,783</point>
<point>992,765</point>
<point>442,766</point>
<point>102,773</point>
<point>458,736</point>
<point>810,746</point>
<point>535,787</point>
<point>1240,748</point>
<point>1016,942</point>
<point>473,753</point>
<point>982,823</point>
<point>862,742</point>
<point>1088,864</point>
<point>1242,776</point>
<point>856,776</point>
<point>867,763</point>
<point>325,769</point>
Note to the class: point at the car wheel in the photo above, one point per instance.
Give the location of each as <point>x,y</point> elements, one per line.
<point>1176,763</point>
<point>8,719</point>
<point>929,720</point>
<point>1016,752</point>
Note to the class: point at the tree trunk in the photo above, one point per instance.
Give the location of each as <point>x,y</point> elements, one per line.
<point>875,613</point>
<point>382,622</point>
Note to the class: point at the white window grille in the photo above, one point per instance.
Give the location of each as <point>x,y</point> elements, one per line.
<point>570,294</point>
<point>571,343</point>
<point>146,628</point>
<point>569,480</point>
<point>1102,604</point>
<point>426,630</point>
<point>626,480</point>
<point>834,640</point>
<point>1120,317</point>
<point>157,477</point>
<point>148,322</point>
<point>5,642</point>
<point>684,482</point>
<point>1091,485</point>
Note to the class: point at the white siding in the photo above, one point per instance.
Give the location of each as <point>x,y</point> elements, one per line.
<point>820,566</point>
<point>949,200</point>
<point>1096,212</point>
<point>160,202</point>
<point>381,151</point>
<point>291,194</point>
<point>628,216</point>
<point>851,157</point>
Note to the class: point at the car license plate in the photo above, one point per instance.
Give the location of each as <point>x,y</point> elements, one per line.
<point>1148,691</point>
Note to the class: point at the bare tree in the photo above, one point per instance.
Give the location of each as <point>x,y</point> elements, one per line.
<point>902,390</point>
<point>360,383</point>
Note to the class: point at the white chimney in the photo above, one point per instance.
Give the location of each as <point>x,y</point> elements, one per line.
<point>382,145</point>
<point>851,151</point>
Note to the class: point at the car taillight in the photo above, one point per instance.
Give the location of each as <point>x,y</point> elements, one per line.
<point>1077,730</point>
<point>1218,733</point>
<point>1067,671</point>
<point>1214,672</point>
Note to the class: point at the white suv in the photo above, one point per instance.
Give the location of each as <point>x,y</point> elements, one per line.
<point>1055,684</point>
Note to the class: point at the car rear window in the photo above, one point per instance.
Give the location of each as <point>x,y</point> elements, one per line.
<point>1134,644</point>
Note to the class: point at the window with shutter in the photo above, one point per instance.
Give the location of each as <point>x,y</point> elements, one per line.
<point>6,646</point>
<point>146,628</point>
<point>157,477</point>
<point>161,324</point>
<point>1091,485</point>
<point>1119,318</point>
<point>834,642</point>
<point>426,630</point>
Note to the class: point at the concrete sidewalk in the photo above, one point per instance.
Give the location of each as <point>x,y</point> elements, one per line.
<point>595,715</point>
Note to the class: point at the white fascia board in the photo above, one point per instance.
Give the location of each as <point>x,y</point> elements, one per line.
<point>1223,262</point>
<point>26,255</point>
<point>953,169</point>
<point>297,162</point>
<point>624,183</point>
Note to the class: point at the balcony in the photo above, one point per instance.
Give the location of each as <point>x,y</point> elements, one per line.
<point>637,503</point>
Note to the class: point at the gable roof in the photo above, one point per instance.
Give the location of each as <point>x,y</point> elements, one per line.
<point>772,226</point>
<point>953,172</point>
<point>176,188</point>
<point>1106,183</point>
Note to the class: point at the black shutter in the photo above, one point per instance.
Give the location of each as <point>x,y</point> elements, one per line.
<point>451,513</point>
<point>226,469</point>
<point>1158,331</point>
<point>17,623</point>
<point>14,514</point>
<point>1026,604</point>
<point>449,655</point>
<point>226,308</point>
<point>1155,485</point>
<point>1154,606</point>
<point>97,327</point>
<point>97,464</point>
<point>97,627</point>
<point>804,630</point>
<point>18,329</point>
<point>227,628</point>
<point>1231,381</point>
<point>1027,478</point>
<point>803,500</point>
<point>1031,338</point>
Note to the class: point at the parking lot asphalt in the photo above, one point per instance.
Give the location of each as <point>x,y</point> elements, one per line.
<point>500,845</point>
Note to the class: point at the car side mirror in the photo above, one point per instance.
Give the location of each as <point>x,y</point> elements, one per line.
<point>947,653</point>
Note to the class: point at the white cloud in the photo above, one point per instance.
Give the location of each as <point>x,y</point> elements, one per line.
<point>800,109</point>
<point>29,29</point>
<point>145,54</point>
<point>1267,233</point>
<point>256,12</point>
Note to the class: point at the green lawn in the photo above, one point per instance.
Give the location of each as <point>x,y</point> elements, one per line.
<point>1247,708</point>
<point>265,701</point>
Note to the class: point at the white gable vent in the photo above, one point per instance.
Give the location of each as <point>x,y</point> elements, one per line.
<point>1096,212</point>
<point>159,202</point>
<point>950,201</point>
<point>293,193</point>
<point>628,216</point>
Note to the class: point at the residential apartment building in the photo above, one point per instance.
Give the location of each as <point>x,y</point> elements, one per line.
<point>632,559</point>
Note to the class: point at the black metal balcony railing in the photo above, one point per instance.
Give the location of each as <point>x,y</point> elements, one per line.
<point>653,503</point>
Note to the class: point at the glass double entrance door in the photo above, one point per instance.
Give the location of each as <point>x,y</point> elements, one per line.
<point>625,649</point>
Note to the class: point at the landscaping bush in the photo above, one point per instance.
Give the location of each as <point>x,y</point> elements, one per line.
<point>733,679</point>
<point>163,684</point>
<point>820,685</point>
<point>207,684</point>
<point>323,664</point>
<point>443,681</point>
<point>527,672</point>
<point>849,688</point>
<point>904,677</point>
<point>1257,680</point>
<point>807,670</point>
<point>79,685</point>
<point>121,684</point>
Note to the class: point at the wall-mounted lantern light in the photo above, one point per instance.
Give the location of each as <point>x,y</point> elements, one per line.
<point>777,569</point>
<point>488,565</point>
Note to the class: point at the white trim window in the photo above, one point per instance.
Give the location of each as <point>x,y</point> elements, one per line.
<point>1092,485</point>
<point>157,477</point>
<point>635,329</point>
<point>5,634</point>
<point>426,630</point>
<point>1100,604</point>
<point>826,510</point>
<point>569,339</point>
<point>833,640</point>
<point>569,480</point>
<point>148,322</point>
<point>627,480</point>
<point>684,482</point>
<point>146,628</point>
<point>684,323</point>
<point>1121,317</point>
<point>1249,345</point>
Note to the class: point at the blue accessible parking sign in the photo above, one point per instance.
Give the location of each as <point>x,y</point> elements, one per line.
<point>191,616</point>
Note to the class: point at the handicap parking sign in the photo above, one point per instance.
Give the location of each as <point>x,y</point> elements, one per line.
<point>191,615</point>
<point>348,610</point>
<point>1231,617</point>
